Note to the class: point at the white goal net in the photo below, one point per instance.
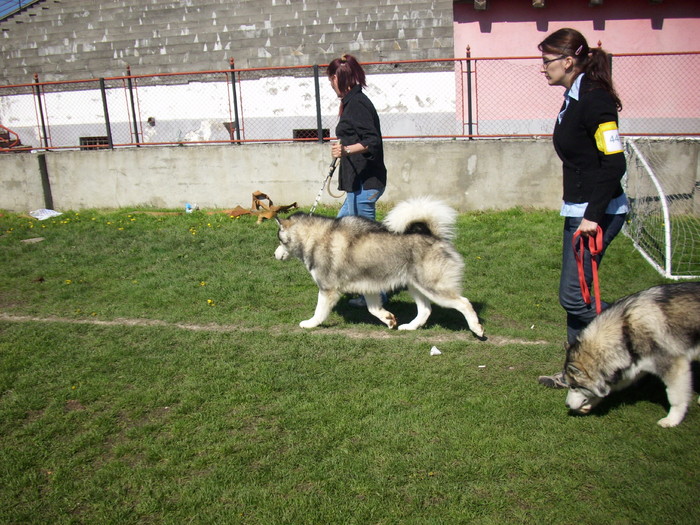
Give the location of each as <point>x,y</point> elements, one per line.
<point>664,193</point>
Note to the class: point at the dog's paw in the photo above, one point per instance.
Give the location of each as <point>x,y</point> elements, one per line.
<point>667,422</point>
<point>478,330</point>
<point>309,323</point>
<point>407,326</point>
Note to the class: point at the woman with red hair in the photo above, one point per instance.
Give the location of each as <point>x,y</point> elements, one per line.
<point>360,150</point>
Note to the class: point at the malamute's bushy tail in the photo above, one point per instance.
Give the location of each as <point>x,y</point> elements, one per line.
<point>420,213</point>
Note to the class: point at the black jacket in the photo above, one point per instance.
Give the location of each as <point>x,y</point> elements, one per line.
<point>590,175</point>
<point>359,122</point>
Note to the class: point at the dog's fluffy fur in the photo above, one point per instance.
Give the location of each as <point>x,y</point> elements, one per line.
<point>655,331</point>
<point>410,248</point>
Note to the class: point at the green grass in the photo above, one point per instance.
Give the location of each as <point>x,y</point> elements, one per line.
<point>152,371</point>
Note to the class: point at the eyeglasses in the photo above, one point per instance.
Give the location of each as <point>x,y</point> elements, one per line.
<point>546,63</point>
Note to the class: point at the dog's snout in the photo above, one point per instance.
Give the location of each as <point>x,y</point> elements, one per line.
<point>577,402</point>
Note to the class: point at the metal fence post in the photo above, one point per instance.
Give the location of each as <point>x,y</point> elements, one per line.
<point>133,107</point>
<point>469,93</point>
<point>45,182</point>
<point>235,100</point>
<point>41,110</point>
<point>106,110</point>
<point>319,123</point>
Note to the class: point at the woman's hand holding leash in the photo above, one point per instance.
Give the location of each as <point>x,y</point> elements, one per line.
<point>326,181</point>
<point>588,227</point>
<point>338,150</point>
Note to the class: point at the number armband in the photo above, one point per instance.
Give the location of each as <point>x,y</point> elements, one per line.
<point>607,138</point>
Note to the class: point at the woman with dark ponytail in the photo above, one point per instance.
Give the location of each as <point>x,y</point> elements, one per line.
<point>587,140</point>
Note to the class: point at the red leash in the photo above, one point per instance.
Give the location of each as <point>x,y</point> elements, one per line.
<point>595,247</point>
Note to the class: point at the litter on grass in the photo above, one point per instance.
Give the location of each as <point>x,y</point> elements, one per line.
<point>434,351</point>
<point>43,214</point>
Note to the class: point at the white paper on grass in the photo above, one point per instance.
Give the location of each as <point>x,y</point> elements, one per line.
<point>43,214</point>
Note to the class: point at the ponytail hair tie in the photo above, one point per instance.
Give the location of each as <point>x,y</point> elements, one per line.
<point>578,51</point>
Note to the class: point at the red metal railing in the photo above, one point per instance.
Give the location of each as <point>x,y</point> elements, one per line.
<point>461,98</point>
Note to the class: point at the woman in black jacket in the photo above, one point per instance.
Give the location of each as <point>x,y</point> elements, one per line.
<point>587,140</point>
<point>360,150</point>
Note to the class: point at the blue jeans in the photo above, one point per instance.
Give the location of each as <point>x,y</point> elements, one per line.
<point>578,313</point>
<point>361,203</point>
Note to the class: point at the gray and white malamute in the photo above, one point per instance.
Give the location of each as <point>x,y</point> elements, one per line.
<point>410,248</point>
<point>655,331</point>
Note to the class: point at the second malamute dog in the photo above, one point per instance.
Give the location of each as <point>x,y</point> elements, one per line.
<point>655,331</point>
<point>410,248</point>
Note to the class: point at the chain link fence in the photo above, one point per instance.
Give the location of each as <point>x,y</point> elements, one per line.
<point>464,98</point>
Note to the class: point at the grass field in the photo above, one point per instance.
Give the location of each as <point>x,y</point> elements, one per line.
<point>152,371</point>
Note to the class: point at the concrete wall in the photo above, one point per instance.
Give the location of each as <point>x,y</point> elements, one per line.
<point>469,175</point>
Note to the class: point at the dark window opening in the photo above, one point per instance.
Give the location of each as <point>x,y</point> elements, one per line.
<point>88,143</point>
<point>310,133</point>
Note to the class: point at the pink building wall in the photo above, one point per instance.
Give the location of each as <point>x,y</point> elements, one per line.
<point>514,27</point>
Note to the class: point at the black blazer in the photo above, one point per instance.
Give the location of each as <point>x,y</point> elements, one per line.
<point>590,175</point>
<point>359,123</point>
